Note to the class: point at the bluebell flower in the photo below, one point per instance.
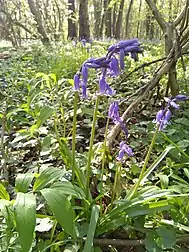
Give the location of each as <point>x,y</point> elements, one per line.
<point>171,103</point>
<point>121,58</point>
<point>104,87</point>
<point>113,113</point>
<point>163,116</point>
<point>124,150</point>
<point>83,42</point>
<point>84,71</point>
<point>76,82</point>
<point>114,67</point>
<point>180,98</point>
<point>84,90</point>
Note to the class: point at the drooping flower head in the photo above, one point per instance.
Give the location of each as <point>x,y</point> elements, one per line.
<point>124,48</point>
<point>109,65</point>
<point>124,150</point>
<point>113,113</point>
<point>164,115</point>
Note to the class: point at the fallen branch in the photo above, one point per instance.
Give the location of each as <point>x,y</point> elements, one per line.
<point>140,67</point>
<point>117,242</point>
<point>149,86</point>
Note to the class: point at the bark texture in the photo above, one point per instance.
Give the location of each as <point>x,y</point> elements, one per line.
<point>34,8</point>
<point>84,30</point>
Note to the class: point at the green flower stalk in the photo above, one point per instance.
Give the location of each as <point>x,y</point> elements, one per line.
<point>88,170</point>
<point>136,186</point>
<point>74,134</point>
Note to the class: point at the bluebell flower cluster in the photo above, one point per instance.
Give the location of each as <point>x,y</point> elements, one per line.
<point>109,66</point>
<point>164,115</point>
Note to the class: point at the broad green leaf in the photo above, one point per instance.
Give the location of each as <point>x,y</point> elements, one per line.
<point>167,237</point>
<point>150,242</point>
<point>23,182</point>
<point>66,187</point>
<point>46,177</point>
<point>61,208</point>
<point>25,210</point>
<point>92,227</point>
<point>45,113</point>
<point>3,193</point>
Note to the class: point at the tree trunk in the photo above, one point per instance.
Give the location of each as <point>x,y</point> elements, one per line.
<point>97,17</point>
<point>138,23</point>
<point>119,20</point>
<point>108,21</point>
<point>84,31</point>
<point>37,16</point>
<point>114,20</point>
<point>71,23</point>
<point>127,19</point>
<point>168,29</point>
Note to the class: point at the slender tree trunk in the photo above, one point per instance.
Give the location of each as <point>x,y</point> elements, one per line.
<point>114,20</point>
<point>103,20</point>
<point>168,29</point>
<point>119,20</point>
<point>108,23</point>
<point>71,23</point>
<point>138,23</point>
<point>97,17</point>
<point>127,19</point>
<point>37,16</point>
<point>84,30</point>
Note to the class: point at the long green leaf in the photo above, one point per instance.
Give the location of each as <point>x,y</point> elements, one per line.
<point>61,208</point>
<point>45,113</point>
<point>152,207</point>
<point>156,163</point>
<point>91,230</point>
<point>46,177</point>
<point>23,182</point>
<point>25,217</point>
<point>3,193</point>
<point>67,188</point>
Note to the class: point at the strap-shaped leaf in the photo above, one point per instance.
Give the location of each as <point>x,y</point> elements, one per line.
<point>68,188</point>
<point>25,217</point>
<point>46,177</point>
<point>23,182</point>
<point>61,208</point>
<point>3,193</point>
<point>91,230</point>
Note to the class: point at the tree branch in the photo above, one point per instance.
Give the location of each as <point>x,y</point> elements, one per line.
<point>181,15</point>
<point>117,242</point>
<point>151,84</point>
<point>161,21</point>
